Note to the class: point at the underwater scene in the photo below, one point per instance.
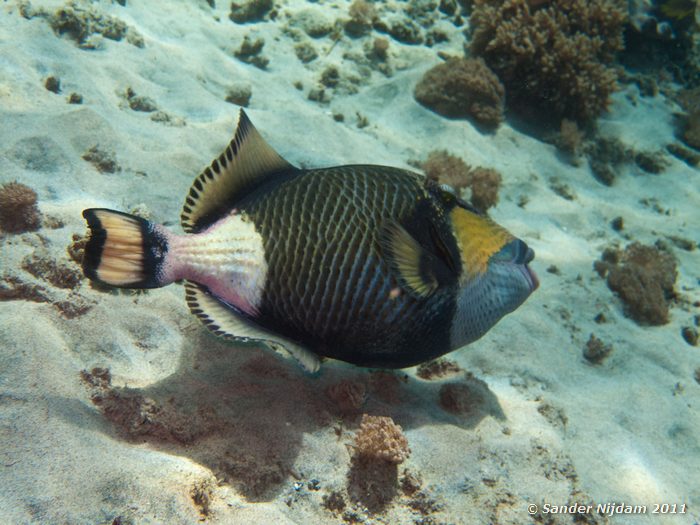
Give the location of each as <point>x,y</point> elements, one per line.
<point>415,262</point>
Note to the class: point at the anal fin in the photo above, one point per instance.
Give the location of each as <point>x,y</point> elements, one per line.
<point>218,317</point>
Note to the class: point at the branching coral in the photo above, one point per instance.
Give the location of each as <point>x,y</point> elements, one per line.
<point>18,210</point>
<point>445,168</point>
<point>380,438</point>
<point>380,447</point>
<point>463,87</point>
<point>552,55</point>
<point>484,183</point>
<point>450,169</point>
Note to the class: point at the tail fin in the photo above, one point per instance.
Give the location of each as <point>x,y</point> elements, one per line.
<point>124,250</point>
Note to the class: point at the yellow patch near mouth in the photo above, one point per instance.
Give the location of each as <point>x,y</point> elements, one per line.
<point>479,238</point>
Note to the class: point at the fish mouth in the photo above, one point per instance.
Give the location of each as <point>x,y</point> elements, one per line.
<point>531,277</point>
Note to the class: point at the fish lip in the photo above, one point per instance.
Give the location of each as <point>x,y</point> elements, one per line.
<point>531,277</point>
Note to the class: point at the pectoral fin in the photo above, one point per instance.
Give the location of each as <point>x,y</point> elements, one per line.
<point>411,261</point>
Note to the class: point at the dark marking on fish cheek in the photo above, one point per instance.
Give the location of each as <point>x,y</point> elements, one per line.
<point>198,185</point>
<point>231,152</point>
<point>193,193</point>
<point>216,166</point>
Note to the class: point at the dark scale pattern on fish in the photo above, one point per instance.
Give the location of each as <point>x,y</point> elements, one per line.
<point>328,283</point>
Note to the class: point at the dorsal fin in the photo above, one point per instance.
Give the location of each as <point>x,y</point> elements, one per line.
<point>245,163</point>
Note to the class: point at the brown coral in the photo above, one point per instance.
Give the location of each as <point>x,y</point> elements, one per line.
<point>362,16</point>
<point>437,368</point>
<point>570,140</point>
<point>485,183</point>
<point>446,168</point>
<point>380,447</point>
<point>348,395</point>
<point>691,131</point>
<point>104,161</point>
<point>644,280</point>
<point>76,248</point>
<point>250,11</point>
<point>554,56</point>
<point>461,88</point>
<point>57,273</point>
<point>202,493</point>
<point>596,350</point>
<point>381,439</point>
<point>139,416</point>
<point>18,210</point>
<point>449,169</point>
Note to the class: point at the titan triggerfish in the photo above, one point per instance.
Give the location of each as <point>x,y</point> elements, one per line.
<point>372,265</point>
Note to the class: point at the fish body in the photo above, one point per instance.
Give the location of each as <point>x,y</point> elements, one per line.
<point>371,265</point>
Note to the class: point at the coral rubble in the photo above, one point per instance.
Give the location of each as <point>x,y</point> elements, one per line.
<point>81,22</point>
<point>437,368</point>
<point>250,50</point>
<point>250,11</point>
<point>596,350</point>
<point>239,94</point>
<point>362,16</point>
<point>690,335</point>
<point>59,274</point>
<point>104,161</point>
<point>644,278</point>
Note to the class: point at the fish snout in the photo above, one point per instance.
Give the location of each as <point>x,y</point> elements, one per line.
<point>525,257</point>
<point>518,254</point>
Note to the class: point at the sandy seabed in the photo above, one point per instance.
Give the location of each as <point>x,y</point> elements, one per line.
<point>186,428</point>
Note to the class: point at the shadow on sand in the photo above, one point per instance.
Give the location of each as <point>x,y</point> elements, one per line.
<point>243,411</point>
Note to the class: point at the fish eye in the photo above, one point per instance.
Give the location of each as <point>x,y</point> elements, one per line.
<point>448,189</point>
<point>448,194</point>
